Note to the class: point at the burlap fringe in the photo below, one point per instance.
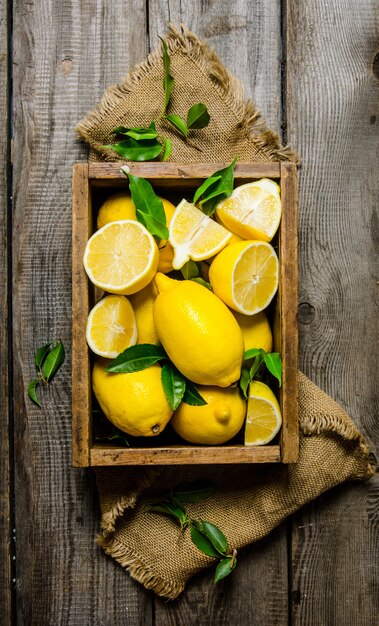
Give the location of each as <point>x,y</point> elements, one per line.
<point>250,121</point>
<point>138,570</point>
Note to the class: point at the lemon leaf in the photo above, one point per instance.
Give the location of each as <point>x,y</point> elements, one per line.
<point>53,361</point>
<point>174,385</point>
<point>136,358</point>
<point>217,190</point>
<point>192,396</point>
<point>204,186</point>
<point>178,123</point>
<point>139,133</point>
<point>198,116</point>
<point>273,363</point>
<point>170,509</point>
<point>224,568</point>
<point>215,536</point>
<point>167,149</point>
<point>149,207</point>
<point>253,352</point>
<point>41,354</point>
<point>202,542</point>
<point>244,381</point>
<point>32,391</point>
<point>202,282</point>
<point>189,270</point>
<point>193,491</point>
<point>168,80</point>
<point>141,150</point>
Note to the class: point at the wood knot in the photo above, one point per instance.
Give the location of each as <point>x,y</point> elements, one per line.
<point>306,313</point>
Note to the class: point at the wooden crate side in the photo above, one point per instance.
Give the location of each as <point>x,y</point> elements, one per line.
<point>184,455</point>
<point>288,304</point>
<point>81,386</point>
<point>110,172</point>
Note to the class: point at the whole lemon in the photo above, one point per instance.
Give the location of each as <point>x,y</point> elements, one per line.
<point>214,423</point>
<point>120,206</point>
<point>256,330</point>
<point>198,332</point>
<point>143,305</point>
<point>135,402</point>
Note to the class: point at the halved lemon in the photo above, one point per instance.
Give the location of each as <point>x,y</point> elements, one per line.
<point>245,276</point>
<point>111,326</point>
<point>263,419</point>
<point>194,235</point>
<point>121,257</point>
<point>252,211</point>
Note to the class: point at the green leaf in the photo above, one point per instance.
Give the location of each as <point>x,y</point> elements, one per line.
<point>53,361</point>
<point>219,190</point>
<point>193,491</point>
<point>202,542</point>
<point>205,185</point>
<point>192,396</point>
<point>255,366</point>
<point>168,81</point>
<point>171,509</point>
<point>136,358</point>
<point>178,122</point>
<point>245,381</point>
<point>215,536</point>
<point>273,363</point>
<point>139,134</point>
<point>167,149</point>
<point>224,568</point>
<point>253,352</point>
<point>132,150</point>
<point>149,207</point>
<point>202,282</point>
<point>32,391</point>
<point>198,116</point>
<point>174,385</point>
<point>41,354</point>
<point>190,270</point>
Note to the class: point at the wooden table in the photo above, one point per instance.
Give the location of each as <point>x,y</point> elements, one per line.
<point>313,67</point>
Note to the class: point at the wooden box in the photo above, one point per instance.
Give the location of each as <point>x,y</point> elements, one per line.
<point>91,183</point>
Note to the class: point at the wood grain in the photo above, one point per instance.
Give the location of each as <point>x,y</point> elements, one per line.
<point>5,468</point>
<point>65,53</point>
<point>332,109</point>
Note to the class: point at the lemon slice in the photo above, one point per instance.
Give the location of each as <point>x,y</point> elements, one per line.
<point>263,419</point>
<point>111,326</point>
<point>194,235</point>
<point>253,210</point>
<point>121,257</point>
<point>245,276</point>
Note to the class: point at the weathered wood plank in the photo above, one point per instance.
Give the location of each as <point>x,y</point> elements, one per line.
<point>335,558</point>
<point>332,120</point>
<point>65,54</point>
<point>246,36</point>
<point>5,496</point>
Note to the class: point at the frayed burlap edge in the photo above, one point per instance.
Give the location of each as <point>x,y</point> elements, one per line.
<point>228,87</point>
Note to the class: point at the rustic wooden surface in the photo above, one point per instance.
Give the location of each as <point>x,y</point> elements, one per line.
<point>310,66</point>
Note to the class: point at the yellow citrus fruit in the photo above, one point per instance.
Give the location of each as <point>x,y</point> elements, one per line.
<point>143,305</point>
<point>252,211</point>
<point>194,235</point>
<point>214,423</point>
<point>256,330</point>
<point>111,326</point>
<point>245,276</point>
<point>120,206</point>
<point>198,332</point>
<point>263,419</point>
<point>135,403</point>
<point>121,257</point>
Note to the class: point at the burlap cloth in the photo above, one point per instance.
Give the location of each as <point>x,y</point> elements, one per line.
<point>250,500</point>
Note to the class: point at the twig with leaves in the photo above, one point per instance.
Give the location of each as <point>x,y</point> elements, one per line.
<point>206,536</point>
<point>253,361</point>
<point>48,359</point>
